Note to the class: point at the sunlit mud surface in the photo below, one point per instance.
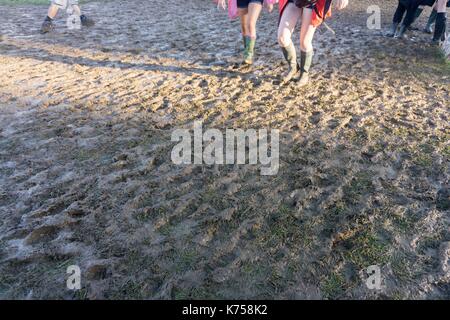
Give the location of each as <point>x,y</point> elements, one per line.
<point>86,176</point>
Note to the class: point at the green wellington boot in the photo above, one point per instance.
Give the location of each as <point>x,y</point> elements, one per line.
<point>249,51</point>
<point>291,57</point>
<point>431,20</point>
<point>305,64</point>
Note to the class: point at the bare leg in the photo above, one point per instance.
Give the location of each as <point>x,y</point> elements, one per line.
<point>307,31</point>
<point>243,13</point>
<point>76,10</point>
<point>52,11</point>
<point>441,6</point>
<point>48,25</point>
<point>289,19</point>
<point>254,10</point>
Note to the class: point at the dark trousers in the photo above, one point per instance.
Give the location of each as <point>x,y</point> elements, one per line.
<point>410,7</point>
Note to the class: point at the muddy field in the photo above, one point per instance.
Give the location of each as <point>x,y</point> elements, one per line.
<point>86,176</point>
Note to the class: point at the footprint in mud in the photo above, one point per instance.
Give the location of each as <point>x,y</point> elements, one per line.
<point>203,84</point>
<point>315,118</point>
<point>276,82</point>
<point>333,123</point>
<point>53,209</point>
<point>443,199</point>
<point>42,234</point>
<point>235,65</point>
<point>74,211</point>
<point>16,234</point>
<point>97,270</point>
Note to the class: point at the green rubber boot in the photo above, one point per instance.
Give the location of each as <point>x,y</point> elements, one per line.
<point>305,64</point>
<point>249,51</point>
<point>431,20</point>
<point>291,57</point>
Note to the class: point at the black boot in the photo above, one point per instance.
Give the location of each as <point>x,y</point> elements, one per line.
<point>86,22</point>
<point>401,32</point>
<point>439,29</point>
<point>47,25</point>
<point>305,64</point>
<point>392,30</point>
<point>430,23</point>
<point>291,57</point>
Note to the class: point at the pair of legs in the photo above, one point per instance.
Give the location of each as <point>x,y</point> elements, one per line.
<point>249,16</point>
<point>290,16</point>
<point>432,18</point>
<point>404,6</point>
<point>411,8</point>
<point>54,8</point>
<point>441,20</point>
<point>249,11</point>
<point>47,26</point>
<point>437,17</point>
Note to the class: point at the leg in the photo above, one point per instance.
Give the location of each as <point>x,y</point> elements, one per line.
<point>409,18</point>
<point>306,36</point>
<point>441,6</point>
<point>52,11</point>
<point>85,21</point>
<point>399,13</point>
<point>307,31</point>
<point>416,16</point>
<point>254,10</point>
<point>398,17</point>
<point>410,15</point>
<point>441,21</point>
<point>243,14</point>
<point>48,25</point>
<point>289,19</point>
<point>431,20</point>
<point>76,10</point>
<point>285,29</point>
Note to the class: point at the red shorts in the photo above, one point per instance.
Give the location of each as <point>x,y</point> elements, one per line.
<point>318,12</point>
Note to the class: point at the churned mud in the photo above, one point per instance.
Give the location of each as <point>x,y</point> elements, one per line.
<point>86,176</point>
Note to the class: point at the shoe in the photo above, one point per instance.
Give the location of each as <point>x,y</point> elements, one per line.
<point>401,32</point>
<point>47,26</point>
<point>86,22</point>
<point>392,30</point>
